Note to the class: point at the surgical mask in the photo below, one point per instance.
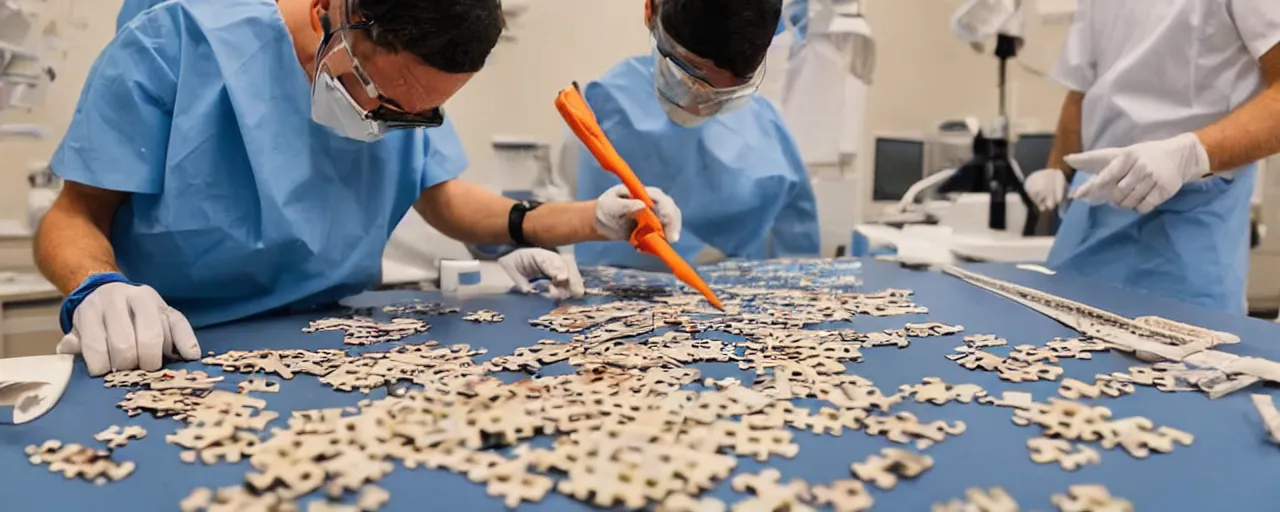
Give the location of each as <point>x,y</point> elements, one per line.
<point>679,115</point>
<point>684,86</point>
<point>333,108</point>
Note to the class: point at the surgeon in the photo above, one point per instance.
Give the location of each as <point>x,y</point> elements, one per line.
<point>688,120</point>
<point>235,158</point>
<point>1172,103</point>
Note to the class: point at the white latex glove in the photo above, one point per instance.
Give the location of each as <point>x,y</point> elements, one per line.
<point>523,265</point>
<point>121,326</point>
<point>615,213</point>
<point>1143,176</point>
<point>1047,187</point>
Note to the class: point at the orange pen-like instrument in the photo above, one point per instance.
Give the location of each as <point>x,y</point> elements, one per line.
<point>648,236</point>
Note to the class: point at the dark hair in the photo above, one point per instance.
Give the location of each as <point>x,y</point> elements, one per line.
<point>454,36</point>
<point>734,34</point>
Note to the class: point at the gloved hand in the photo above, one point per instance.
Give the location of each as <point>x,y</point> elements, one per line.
<point>1142,176</point>
<point>122,326</point>
<point>523,265</point>
<point>1047,187</point>
<point>615,213</point>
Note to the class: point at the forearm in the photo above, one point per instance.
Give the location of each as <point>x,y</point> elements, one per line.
<point>70,246</point>
<point>1249,134</point>
<point>556,224</point>
<point>1066,140</point>
<point>470,214</point>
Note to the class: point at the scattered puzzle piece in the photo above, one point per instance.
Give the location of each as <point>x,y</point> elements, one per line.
<point>76,461</point>
<point>1105,386</point>
<point>976,359</point>
<point>1014,371</point>
<point>1070,457</point>
<point>847,495</point>
<point>258,386</point>
<point>1014,399</point>
<point>770,493</point>
<point>1076,348</point>
<point>366,331</point>
<point>484,316</point>
<point>929,329</point>
<point>1090,498</point>
<point>905,428</point>
<point>885,469</point>
<point>680,502</point>
<point>1139,437</point>
<point>984,341</point>
<point>937,392</point>
<point>994,499</point>
<point>117,437</point>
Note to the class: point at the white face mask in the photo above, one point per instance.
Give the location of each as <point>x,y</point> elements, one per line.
<point>679,115</point>
<point>683,118</point>
<point>334,109</point>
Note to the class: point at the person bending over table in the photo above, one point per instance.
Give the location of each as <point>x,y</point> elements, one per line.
<point>234,158</point>
<point>1173,102</point>
<point>706,137</point>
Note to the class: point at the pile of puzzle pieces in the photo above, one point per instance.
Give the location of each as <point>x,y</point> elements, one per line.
<point>634,425</point>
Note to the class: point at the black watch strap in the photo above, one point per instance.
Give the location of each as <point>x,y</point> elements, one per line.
<point>515,221</point>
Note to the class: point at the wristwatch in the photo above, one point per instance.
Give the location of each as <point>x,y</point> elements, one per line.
<point>515,221</point>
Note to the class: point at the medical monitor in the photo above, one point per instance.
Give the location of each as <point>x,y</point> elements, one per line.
<point>1031,151</point>
<point>899,163</point>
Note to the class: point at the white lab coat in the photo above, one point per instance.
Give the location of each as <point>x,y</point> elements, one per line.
<point>823,103</point>
<point>1197,64</point>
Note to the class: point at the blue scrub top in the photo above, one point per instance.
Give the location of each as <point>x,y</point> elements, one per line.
<point>239,204</point>
<point>1194,247</point>
<point>130,9</point>
<point>738,178</point>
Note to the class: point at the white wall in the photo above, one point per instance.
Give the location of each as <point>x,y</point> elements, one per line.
<point>558,42</point>
<point>924,75</point>
<point>85,27</point>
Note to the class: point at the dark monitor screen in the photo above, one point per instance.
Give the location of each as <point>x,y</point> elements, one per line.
<point>899,165</point>
<point>1032,152</point>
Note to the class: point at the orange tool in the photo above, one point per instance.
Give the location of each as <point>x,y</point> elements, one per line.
<point>648,236</point>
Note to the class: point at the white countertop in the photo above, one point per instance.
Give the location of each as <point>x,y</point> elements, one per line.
<point>18,287</point>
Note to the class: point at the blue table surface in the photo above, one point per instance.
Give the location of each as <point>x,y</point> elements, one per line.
<point>1225,469</point>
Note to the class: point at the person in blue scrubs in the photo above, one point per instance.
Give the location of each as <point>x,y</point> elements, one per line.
<point>233,158</point>
<point>706,137</point>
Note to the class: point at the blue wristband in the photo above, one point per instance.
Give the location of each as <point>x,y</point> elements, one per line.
<point>78,295</point>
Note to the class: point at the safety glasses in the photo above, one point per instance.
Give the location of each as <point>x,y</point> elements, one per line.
<point>685,84</point>
<point>337,65</point>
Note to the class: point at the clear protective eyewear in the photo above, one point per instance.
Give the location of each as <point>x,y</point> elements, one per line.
<point>337,66</point>
<point>686,85</point>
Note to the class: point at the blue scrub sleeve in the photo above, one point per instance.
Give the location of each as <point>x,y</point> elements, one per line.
<point>795,231</point>
<point>131,9</point>
<point>119,134</point>
<point>446,159</point>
